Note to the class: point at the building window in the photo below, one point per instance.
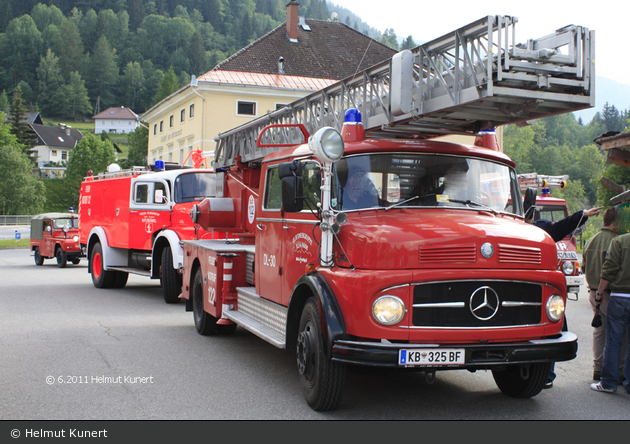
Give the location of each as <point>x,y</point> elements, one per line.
<point>182,115</point>
<point>280,105</point>
<point>53,153</point>
<point>170,121</point>
<point>64,155</point>
<point>246,108</point>
<point>161,125</point>
<point>154,129</point>
<point>191,112</point>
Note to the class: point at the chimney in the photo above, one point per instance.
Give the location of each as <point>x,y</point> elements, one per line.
<point>292,20</point>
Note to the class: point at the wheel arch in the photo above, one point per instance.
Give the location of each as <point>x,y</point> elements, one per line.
<point>333,324</point>
<point>193,271</point>
<point>111,256</point>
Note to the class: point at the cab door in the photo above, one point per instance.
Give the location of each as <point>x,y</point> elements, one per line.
<point>149,211</point>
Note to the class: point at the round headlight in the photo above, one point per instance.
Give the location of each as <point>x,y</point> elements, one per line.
<point>388,310</point>
<point>75,238</point>
<point>567,268</point>
<point>326,144</point>
<point>555,308</point>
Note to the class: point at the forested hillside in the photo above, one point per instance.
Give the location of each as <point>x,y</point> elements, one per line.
<point>68,56</point>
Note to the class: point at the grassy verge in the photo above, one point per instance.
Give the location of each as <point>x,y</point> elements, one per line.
<point>12,243</point>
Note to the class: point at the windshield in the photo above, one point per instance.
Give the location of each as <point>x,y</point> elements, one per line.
<point>60,223</point>
<point>423,180</point>
<point>191,187</point>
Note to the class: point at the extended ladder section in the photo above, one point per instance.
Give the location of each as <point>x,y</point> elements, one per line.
<point>539,181</point>
<point>473,78</point>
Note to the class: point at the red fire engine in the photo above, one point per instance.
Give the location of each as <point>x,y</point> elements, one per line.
<point>555,209</point>
<point>56,235</point>
<point>360,242</point>
<point>133,221</point>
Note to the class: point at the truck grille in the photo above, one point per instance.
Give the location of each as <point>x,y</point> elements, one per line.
<point>516,254</point>
<point>476,304</point>
<point>448,253</point>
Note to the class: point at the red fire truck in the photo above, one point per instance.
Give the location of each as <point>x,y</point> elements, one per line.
<point>133,221</point>
<point>555,209</point>
<point>56,235</point>
<point>360,241</point>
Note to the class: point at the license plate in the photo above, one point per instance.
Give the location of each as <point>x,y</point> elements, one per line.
<point>432,357</point>
<point>575,280</point>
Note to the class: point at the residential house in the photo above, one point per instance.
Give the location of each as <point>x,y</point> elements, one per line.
<point>53,147</point>
<point>116,120</point>
<point>284,65</point>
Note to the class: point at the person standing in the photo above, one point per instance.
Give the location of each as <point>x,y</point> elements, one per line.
<point>593,258</point>
<point>616,275</point>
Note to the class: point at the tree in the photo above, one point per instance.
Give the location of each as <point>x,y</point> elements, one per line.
<point>20,191</point>
<point>390,39</point>
<point>91,154</point>
<point>197,54</point>
<point>138,147</point>
<point>168,85</point>
<point>49,79</point>
<point>73,99</point>
<point>21,46</point>
<point>68,46</point>
<point>4,102</point>
<point>19,127</point>
<point>103,72</point>
<point>132,84</point>
<point>408,43</point>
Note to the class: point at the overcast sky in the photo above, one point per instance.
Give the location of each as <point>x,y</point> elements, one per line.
<point>425,21</point>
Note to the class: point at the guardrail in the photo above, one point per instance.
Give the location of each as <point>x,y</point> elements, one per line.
<point>15,220</point>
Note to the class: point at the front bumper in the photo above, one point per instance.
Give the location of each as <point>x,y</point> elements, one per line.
<point>478,356</point>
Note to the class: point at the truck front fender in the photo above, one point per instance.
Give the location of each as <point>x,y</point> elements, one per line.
<point>164,238</point>
<point>333,324</point>
<point>112,257</point>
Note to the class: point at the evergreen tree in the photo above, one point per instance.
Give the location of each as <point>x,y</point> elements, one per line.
<point>4,102</point>
<point>168,85</point>
<point>20,128</point>
<point>408,43</point>
<point>68,46</point>
<point>73,99</point>
<point>132,84</point>
<point>49,79</point>
<point>103,72</point>
<point>197,55</point>
<point>138,147</point>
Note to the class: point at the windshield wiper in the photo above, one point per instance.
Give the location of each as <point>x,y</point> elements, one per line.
<point>470,203</point>
<point>402,202</point>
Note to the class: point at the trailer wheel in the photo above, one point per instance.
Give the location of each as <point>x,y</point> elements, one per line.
<point>171,279</point>
<point>518,383</point>
<point>205,323</point>
<point>100,278</point>
<point>62,258</point>
<point>39,260</point>
<point>322,379</point>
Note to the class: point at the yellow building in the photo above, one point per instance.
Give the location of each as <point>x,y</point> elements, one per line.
<point>289,62</point>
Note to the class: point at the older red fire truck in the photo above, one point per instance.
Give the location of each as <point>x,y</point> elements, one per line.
<point>132,221</point>
<point>555,209</point>
<point>362,242</point>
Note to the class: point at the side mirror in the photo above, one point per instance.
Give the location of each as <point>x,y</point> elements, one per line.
<point>289,169</point>
<point>292,194</point>
<point>529,202</point>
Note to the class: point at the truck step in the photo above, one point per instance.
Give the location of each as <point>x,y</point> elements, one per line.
<point>263,318</point>
<point>146,273</point>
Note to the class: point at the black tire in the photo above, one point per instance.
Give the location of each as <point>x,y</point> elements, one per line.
<point>100,278</point>
<point>517,384</point>
<point>205,323</point>
<point>39,260</point>
<point>121,279</point>
<point>171,280</point>
<point>323,380</point>
<point>62,258</point>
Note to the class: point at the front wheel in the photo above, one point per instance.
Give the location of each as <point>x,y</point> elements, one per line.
<point>171,279</point>
<point>522,381</point>
<point>62,258</point>
<point>205,323</point>
<point>39,260</point>
<point>322,379</point>
<point>101,278</point>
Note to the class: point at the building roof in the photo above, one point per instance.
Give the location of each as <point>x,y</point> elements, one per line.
<point>54,136</point>
<point>269,80</point>
<point>329,50</point>
<point>29,117</point>
<point>121,113</point>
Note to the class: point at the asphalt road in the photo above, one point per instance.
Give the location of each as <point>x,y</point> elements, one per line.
<point>70,351</point>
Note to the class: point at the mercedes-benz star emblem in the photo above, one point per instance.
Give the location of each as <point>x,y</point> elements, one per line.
<point>484,303</point>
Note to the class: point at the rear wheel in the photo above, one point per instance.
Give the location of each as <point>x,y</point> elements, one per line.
<point>322,379</point>
<point>205,323</point>
<point>121,279</point>
<point>100,278</point>
<point>62,258</point>
<point>171,279</point>
<point>522,382</point>
<point>39,260</point>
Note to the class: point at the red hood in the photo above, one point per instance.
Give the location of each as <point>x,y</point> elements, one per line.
<point>431,239</point>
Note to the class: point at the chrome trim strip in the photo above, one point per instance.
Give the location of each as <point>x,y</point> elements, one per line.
<point>441,305</point>
<point>394,288</point>
<point>520,304</point>
<point>290,221</point>
<point>486,280</point>
<point>412,327</point>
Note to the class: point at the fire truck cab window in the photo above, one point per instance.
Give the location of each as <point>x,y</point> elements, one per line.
<point>273,190</point>
<point>194,186</point>
<point>418,180</point>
